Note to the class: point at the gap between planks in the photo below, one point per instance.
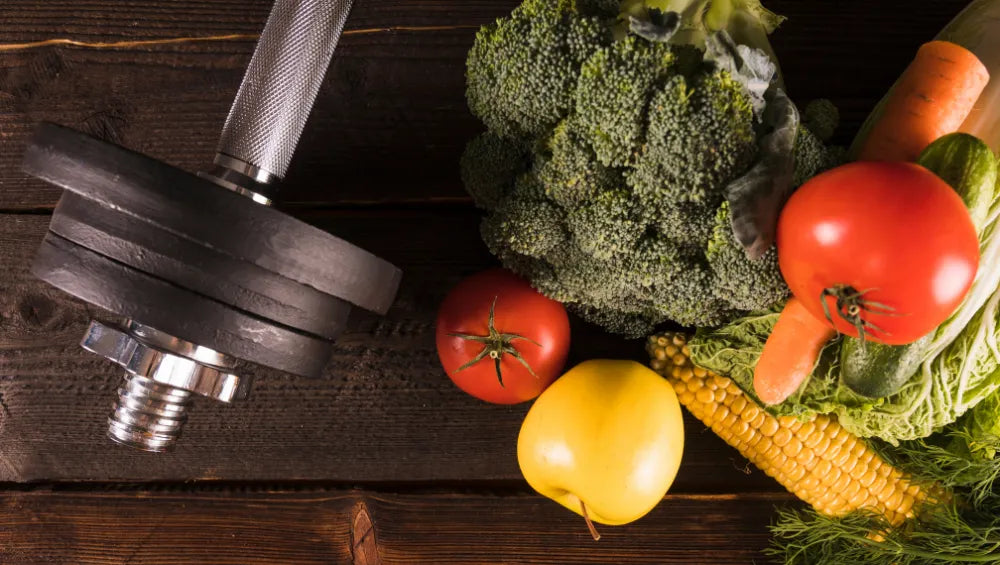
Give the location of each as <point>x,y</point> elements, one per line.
<point>130,44</point>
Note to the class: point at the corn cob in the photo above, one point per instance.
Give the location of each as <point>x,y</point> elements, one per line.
<point>818,461</point>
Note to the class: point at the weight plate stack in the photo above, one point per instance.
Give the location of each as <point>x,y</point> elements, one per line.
<point>150,242</point>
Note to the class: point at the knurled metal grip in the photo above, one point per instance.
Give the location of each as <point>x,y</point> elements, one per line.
<point>280,86</point>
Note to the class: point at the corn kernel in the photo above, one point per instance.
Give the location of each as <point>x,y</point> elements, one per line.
<point>793,447</point>
<point>739,404</point>
<point>841,458</point>
<point>782,436</point>
<point>806,429</point>
<point>806,457</point>
<point>741,428</point>
<point>700,372</point>
<point>704,395</point>
<point>796,473</point>
<point>749,413</point>
<point>867,478</point>
<point>821,422</point>
<point>851,489</point>
<point>822,445</point>
<point>893,502</point>
<point>720,382</point>
<point>822,469</point>
<point>813,439</point>
<point>878,487</point>
<point>841,483</point>
<point>809,483</point>
<point>769,427</point>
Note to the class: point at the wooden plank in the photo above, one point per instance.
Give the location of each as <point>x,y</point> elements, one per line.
<point>382,412</point>
<point>248,527</point>
<point>391,119</point>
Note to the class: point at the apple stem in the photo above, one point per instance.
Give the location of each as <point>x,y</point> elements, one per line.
<point>590,525</point>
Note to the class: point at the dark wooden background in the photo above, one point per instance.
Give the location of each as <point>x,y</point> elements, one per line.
<point>382,460</point>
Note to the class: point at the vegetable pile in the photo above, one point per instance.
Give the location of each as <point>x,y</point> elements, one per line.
<point>643,164</point>
<point>637,155</point>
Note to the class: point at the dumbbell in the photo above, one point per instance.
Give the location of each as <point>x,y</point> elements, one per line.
<point>203,271</point>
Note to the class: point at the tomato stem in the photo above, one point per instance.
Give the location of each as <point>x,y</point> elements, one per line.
<point>496,345</point>
<point>852,307</point>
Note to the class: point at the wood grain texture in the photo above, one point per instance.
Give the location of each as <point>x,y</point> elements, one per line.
<point>382,412</point>
<point>391,120</point>
<point>247,527</point>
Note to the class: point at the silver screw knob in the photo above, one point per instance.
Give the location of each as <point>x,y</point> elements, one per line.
<point>148,415</point>
<point>163,375</point>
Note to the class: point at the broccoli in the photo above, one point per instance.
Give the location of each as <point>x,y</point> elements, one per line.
<point>744,284</point>
<point>686,223</point>
<point>569,170</point>
<point>489,166</point>
<point>701,135</point>
<point>821,118</point>
<point>812,157</point>
<point>522,71</point>
<point>616,131</point>
<point>524,223</point>
<point>607,225</point>
<point>613,94</point>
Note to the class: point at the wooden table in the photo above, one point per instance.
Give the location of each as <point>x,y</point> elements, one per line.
<point>382,460</point>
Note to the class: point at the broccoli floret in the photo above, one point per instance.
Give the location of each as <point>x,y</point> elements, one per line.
<point>612,97</point>
<point>701,136</point>
<point>693,302</point>
<point>525,223</point>
<point>812,157</point>
<point>687,223</point>
<point>629,324</point>
<point>743,283</point>
<point>569,170</point>
<point>607,225</point>
<point>821,117</point>
<point>522,71</point>
<point>489,167</point>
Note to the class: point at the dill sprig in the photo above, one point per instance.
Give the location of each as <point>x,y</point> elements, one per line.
<point>962,528</point>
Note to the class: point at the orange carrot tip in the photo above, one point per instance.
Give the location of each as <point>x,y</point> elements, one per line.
<point>790,353</point>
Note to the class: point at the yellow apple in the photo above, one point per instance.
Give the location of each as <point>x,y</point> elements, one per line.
<point>605,440</point>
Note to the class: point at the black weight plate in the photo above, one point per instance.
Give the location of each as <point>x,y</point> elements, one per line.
<point>203,270</point>
<point>211,215</point>
<point>176,311</point>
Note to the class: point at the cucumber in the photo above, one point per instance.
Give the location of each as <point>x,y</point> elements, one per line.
<point>967,164</point>
<point>876,370</point>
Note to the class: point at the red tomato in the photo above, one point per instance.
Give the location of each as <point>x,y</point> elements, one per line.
<point>892,242</point>
<point>526,324</point>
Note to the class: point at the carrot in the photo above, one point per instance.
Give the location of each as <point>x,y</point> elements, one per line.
<point>932,98</point>
<point>790,353</point>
